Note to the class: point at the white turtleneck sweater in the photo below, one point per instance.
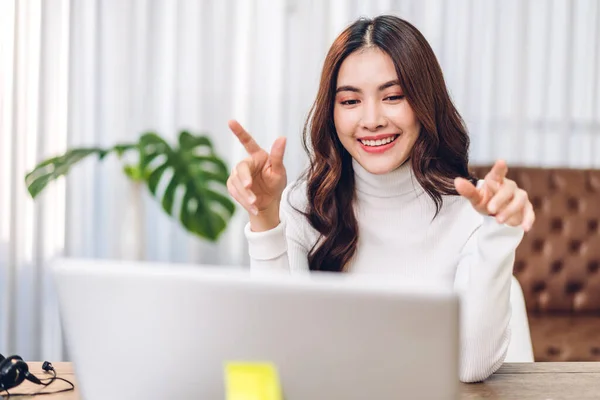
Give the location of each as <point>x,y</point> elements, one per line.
<point>397,236</point>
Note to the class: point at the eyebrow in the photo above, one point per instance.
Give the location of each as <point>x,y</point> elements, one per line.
<point>349,88</point>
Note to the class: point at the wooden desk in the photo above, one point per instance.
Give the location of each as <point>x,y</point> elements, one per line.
<point>63,370</point>
<point>540,381</point>
<point>527,381</point>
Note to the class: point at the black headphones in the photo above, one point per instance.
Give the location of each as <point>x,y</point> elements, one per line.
<point>13,371</point>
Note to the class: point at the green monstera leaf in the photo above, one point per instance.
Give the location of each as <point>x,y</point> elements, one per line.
<point>197,172</point>
<point>55,167</point>
<point>188,180</point>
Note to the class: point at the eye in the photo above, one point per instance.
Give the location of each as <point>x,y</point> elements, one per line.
<point>349,102</point>
<point>395,98</point>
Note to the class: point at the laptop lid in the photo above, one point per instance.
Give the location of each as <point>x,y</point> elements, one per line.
<point>155,331</point>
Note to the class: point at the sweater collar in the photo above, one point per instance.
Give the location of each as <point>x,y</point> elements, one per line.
<point>393,184</point>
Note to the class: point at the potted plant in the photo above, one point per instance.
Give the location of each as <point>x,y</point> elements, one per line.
<point>192,165</point>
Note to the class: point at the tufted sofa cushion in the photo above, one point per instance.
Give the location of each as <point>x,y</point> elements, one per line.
<point>558,261</point>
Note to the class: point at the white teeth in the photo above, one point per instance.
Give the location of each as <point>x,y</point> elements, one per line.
<point>378,142</point>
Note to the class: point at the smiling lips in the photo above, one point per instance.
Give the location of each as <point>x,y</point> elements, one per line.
<point>378,144</point>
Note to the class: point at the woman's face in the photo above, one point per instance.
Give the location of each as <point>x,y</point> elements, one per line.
<point>373,119</point>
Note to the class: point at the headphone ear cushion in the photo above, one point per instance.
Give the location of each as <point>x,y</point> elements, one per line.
<point>13,371</point>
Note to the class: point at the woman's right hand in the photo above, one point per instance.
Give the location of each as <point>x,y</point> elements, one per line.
<point>257,182</point>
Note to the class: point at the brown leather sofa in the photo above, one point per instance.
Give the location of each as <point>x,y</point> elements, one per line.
<point>558,261</point>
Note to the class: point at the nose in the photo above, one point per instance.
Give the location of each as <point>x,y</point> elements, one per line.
<point>373,117</point>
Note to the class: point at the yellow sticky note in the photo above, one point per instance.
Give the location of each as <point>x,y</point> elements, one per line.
<point>252,381</point>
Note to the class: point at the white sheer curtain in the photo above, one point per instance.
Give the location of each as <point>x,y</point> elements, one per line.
<point>524,74</point>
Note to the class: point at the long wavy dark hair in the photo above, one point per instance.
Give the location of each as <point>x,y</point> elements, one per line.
<point>439,155</point>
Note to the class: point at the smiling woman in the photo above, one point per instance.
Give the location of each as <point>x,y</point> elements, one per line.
<point>383,80</point>
<point>388,190</point>
<point>370,115</point>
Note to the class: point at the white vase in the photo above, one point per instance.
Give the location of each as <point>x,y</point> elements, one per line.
<point>132,246</point>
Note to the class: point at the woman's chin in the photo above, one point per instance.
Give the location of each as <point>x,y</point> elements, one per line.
<point>380,170</point>
<point>384,162</point>
<point>381,167</point>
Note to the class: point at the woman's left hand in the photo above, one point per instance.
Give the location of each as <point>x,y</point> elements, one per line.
<point>499,197</point>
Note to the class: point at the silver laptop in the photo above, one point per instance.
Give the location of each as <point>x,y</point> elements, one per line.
<point>165,331</point>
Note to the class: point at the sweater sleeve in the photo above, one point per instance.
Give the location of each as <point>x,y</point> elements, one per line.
<point>284,248</point>
<point>483,280</point>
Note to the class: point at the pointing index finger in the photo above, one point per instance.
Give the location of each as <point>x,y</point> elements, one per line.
<point>499,171</point>
<point>244,137</point>
<point>467,190</point>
